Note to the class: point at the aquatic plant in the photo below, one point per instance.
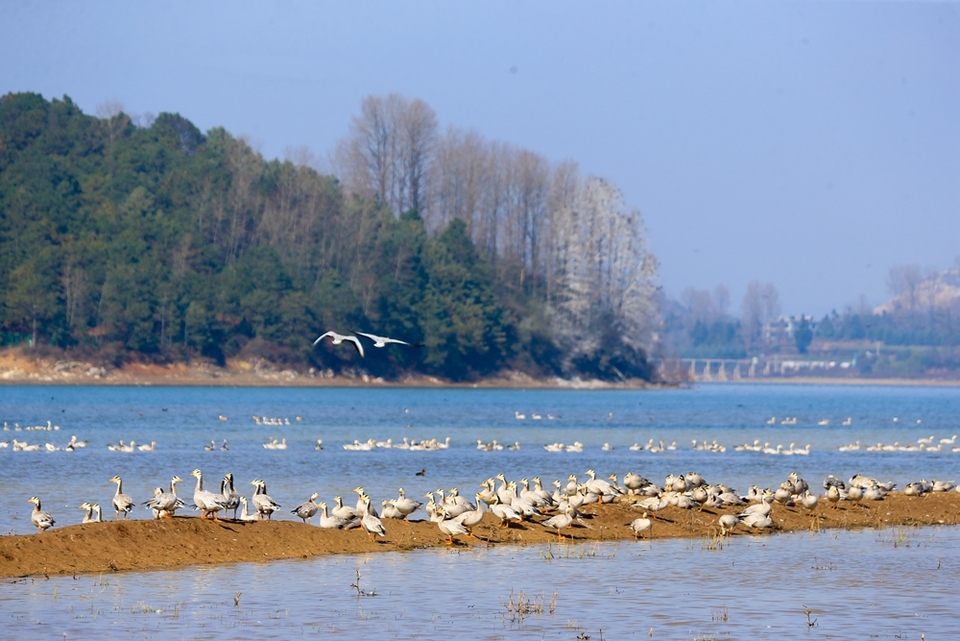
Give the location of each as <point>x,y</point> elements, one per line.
<point>519,606</point>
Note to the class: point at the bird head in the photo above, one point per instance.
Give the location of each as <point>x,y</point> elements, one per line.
<point>196,473</point>
<point>33,499</point>
<point>115,479</point>
<point>314,496</point>
<point>175,480</point>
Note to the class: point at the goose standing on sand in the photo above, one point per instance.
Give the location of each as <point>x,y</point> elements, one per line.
<point>164,504</point>
<point>230,495</point>
<point>504,512</point>
<point>339,338</point>
<point>406,505</point>
<point>641,525</point>
<point>370,523</point>
<point>306,510</point>
<point>121,502</point>
<point>727,523</point>
<point>449,526</point>
<point>383,341</point>
<point>43,520</point>
<point>561,521</point>
<point>264,504</point>
<point>472,518</point>
<point>207,502</point>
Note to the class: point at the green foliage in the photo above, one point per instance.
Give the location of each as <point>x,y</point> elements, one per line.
<point>165,243</point>
<point>803,336</point>
<point>936,327</point>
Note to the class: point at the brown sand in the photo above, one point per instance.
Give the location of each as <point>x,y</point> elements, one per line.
<point>141,545</point>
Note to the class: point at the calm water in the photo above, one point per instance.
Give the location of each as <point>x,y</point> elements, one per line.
<point>890,584</point>
<point>855,582</point>
<point>183,420</point>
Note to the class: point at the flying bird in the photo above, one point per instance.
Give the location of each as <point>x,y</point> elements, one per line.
<point>339,338</point>
<point>383,341</point>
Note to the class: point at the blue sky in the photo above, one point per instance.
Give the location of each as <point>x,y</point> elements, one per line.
<point>808,144</point>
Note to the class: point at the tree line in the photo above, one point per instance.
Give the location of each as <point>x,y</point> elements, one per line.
<point>919,326</point>
<point>128,240</point>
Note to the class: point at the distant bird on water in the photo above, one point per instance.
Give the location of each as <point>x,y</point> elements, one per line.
<point>339,338</point>
<point>383,341</point>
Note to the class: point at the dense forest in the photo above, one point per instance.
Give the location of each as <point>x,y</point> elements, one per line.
<point>152,240</point>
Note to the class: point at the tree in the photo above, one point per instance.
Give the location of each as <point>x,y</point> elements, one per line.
<point>803,335</point>
<point>604,293</point>
<point>31,299</point>
<point>761,305</point>
<point>388,153</point>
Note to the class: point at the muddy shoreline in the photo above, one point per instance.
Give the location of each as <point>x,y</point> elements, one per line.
<point>132,545</point>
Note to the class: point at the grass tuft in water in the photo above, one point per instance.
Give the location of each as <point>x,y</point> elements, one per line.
<point>519,606</point>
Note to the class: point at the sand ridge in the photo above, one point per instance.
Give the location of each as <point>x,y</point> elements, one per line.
<point>182,541</point>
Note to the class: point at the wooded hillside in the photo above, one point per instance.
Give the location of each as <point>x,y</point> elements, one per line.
<point>160,242</point>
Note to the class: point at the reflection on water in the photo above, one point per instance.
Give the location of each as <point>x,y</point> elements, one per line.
<point>894,583</point>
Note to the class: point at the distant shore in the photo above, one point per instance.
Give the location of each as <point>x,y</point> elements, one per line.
<point>18,367</point>
<point>813,380</point>
<point>183,541</point>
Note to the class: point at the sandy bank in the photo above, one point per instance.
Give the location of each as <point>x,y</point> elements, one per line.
<point>19,367</point>
<point>140,545</point>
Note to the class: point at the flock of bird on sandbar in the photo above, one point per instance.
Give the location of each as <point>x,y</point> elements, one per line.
<point>520,500</point>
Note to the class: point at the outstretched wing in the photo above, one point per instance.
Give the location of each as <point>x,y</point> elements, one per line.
<point>381,341</point>
<point>323,336</point>
<point>356,343</point>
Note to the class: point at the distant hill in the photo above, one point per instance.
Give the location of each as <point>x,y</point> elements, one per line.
<point>939,292</point>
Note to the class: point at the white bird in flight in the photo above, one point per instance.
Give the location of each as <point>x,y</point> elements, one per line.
<point>339,338</point>
<point>383,341</point>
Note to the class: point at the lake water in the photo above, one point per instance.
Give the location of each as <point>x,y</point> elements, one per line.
<point>674,587</point>
<point>889,584</point>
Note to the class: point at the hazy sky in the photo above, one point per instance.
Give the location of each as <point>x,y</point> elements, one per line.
<point>812,145</point>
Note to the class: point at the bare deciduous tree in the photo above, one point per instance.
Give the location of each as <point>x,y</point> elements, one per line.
<point>387,155</point>
<point>761,305</point>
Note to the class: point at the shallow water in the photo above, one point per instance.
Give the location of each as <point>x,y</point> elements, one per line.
<point>857,584</point>
<point>183,420</point>
<point>895,583</point>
